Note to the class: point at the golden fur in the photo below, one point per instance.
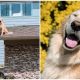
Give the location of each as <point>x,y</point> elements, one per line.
<point>61,63</point>
<point>3,29</point>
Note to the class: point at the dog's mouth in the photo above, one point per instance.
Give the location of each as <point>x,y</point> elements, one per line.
<point>71,41</point>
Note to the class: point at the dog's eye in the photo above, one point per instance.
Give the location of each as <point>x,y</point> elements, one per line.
<point>75,15</point>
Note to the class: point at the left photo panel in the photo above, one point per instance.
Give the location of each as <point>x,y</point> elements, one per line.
<point>19,39</point>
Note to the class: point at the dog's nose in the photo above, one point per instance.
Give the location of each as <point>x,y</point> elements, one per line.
<point>75,25</point>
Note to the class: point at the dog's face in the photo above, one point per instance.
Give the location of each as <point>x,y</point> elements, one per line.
<point>71,35</point>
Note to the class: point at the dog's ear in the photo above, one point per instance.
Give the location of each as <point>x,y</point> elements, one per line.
<point>63,23</point>
<point>65,20</point>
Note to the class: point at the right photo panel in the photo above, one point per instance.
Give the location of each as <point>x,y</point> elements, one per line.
<point>60,40</point>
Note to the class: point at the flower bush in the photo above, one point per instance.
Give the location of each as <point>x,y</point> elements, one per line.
<point>52,15</point>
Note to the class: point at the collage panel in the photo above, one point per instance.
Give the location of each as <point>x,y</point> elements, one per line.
<point>60,40</point>
<point>19,39</point>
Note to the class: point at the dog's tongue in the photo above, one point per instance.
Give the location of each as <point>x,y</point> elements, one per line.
<point>71,43</point>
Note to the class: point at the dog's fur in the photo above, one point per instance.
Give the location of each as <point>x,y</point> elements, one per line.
<point>62,62</point>
<point>3,29</point>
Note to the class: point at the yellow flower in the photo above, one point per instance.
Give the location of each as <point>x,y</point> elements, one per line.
<point>42,59</point>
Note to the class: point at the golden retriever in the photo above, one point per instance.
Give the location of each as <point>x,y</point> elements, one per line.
<point>63,60</point>
<point>3,29</point>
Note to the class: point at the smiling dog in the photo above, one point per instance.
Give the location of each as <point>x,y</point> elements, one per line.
<point>63,60</point>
